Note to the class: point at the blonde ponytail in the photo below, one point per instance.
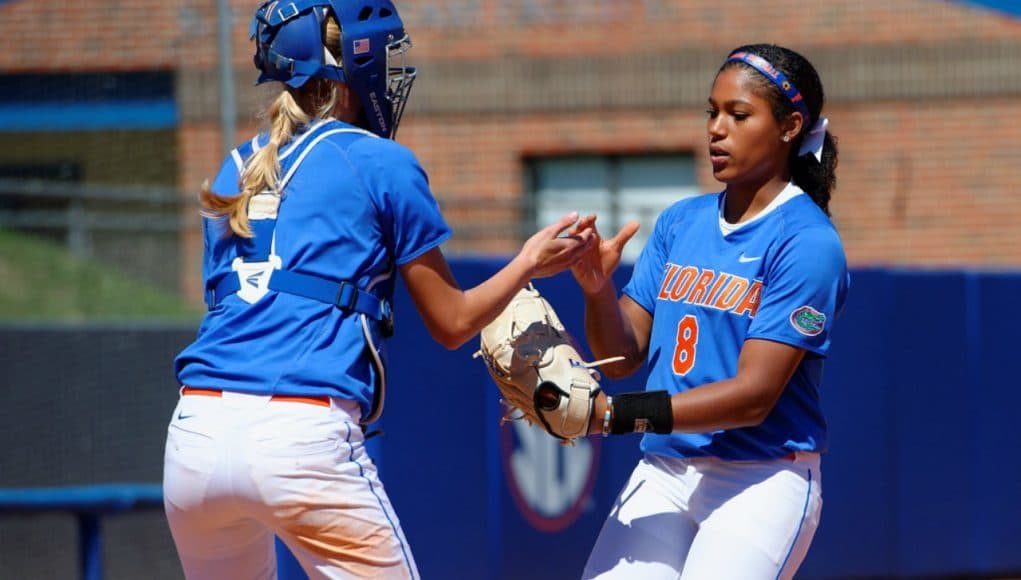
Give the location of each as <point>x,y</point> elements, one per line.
<point>331,38</point>
<point>263,169</point>
<point>287,115</point>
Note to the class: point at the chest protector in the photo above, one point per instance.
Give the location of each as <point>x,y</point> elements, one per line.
<point>257,269</point>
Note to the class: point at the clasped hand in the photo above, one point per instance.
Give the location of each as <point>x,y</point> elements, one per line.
<point>575,243</point>
<point>596,264</point>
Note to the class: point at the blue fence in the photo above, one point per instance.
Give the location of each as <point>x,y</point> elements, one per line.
<point>923,476</point>
<point>922,479</point>
<point>89,504</point>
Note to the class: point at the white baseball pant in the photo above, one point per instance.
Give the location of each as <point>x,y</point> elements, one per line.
<point>708,518</point>
<point>241,468</point>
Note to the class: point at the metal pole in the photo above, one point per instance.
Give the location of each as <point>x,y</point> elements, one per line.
<point>228,108</point>
<point>90,546</point>
<point>77,234</point>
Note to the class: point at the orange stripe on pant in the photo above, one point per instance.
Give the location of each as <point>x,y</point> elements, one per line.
<point>322,401</point>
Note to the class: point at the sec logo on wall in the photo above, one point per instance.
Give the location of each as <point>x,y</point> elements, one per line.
<point>550,483</point>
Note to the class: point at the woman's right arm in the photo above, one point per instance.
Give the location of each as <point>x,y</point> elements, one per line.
<point>613,327</point>
<point>453,316</point>
<point>617,328</point>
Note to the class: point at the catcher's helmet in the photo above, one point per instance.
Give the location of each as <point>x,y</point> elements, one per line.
<point>289,43</point>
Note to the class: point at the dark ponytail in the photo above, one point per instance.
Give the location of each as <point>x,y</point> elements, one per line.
<point>816,178</point>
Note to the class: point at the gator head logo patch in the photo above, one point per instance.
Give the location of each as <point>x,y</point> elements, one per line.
<point>808,321</point>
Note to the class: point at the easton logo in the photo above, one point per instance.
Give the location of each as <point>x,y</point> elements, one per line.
<point>378,110</point>
<point>808,321</point>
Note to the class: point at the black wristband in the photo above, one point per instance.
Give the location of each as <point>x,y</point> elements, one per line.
<point>648,411</point>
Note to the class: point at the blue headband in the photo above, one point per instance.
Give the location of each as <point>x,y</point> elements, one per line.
<point>779,79</point>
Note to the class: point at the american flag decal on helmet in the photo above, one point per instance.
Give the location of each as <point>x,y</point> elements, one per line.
<point>361,46</point>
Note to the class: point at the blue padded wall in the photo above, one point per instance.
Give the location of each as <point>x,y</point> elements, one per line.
<point>920,393</point>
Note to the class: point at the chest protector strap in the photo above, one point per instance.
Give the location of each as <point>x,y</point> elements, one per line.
<point>343,294</point>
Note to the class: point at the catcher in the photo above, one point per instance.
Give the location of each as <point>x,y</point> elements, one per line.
<point>307,228</point>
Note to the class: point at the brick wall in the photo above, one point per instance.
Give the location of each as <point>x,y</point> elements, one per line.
<point>923,96</point>
<point>145,34</point>
<point>934,184</point>
<point>553,27</point>
<point>96,35</point>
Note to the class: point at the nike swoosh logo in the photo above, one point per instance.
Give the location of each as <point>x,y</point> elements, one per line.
<point>745,259</point>
<point>181,416</point>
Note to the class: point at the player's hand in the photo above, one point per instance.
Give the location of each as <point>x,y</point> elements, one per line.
<point>550,253</point>
<point>597,264</point>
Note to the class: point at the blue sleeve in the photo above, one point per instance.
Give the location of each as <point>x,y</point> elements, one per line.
<point>804,291</point>
<point>227,184</point>
<point>227,180</point>
<point>648,273</point>
<point>412,220</point>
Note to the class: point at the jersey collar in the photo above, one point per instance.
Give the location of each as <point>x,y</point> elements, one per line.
<point>789,192</point>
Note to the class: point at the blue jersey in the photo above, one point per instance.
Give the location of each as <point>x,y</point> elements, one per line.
<point>354,208</point>
<point>709,285</point>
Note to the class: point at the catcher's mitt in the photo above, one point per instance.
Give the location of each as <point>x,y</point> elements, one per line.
<point>535,364</point>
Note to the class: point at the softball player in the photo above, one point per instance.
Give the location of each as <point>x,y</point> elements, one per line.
<point>305,229</point>
<point>732,303</point>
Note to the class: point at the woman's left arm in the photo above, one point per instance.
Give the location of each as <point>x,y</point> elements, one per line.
<point>764,368</point>
<point>809,275</point>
